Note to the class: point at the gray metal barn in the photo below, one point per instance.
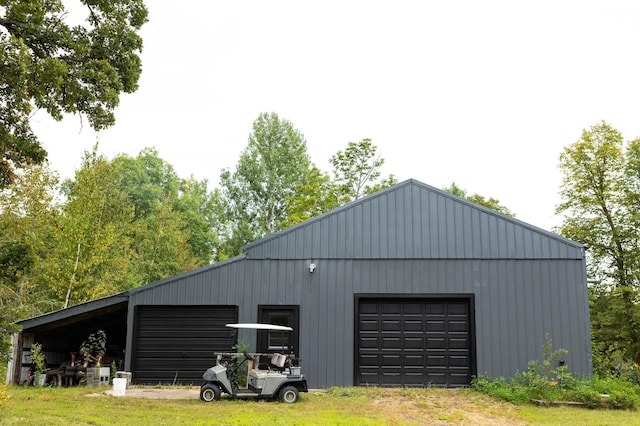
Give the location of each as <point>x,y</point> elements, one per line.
<point>411,286</point>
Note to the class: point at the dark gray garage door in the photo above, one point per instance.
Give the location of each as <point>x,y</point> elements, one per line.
<point>175,344</point>
<point>414,342</point>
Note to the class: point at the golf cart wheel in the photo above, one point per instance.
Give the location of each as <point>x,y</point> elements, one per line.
<point>209,392</point>
<point>289,394</point>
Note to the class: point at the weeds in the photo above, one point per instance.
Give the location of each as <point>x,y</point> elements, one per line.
<point>549,380</point>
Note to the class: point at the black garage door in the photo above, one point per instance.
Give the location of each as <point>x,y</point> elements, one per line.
<point>414,342</point>
<point>175,344</point>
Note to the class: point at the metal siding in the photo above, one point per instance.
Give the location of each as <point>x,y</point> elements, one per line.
<point>382,225</point>
<point>517,302</point>
<point>412,220</point>
<point>410,241</point>
<point>364,225</point>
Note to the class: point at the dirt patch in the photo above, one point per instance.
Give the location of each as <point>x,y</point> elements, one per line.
<point>173,392</point>
<point>445,407</point>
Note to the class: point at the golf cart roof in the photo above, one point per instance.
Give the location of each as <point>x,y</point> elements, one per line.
<point>255,326</point>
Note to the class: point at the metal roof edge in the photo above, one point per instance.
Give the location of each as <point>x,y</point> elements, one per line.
<point>187,274</point>
<point>413,182</point>
<point>335,211</point>
<point>75,310</point>
<point>500,215</point>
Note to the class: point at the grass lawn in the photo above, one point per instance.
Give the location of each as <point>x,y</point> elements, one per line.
<point>342,406</point>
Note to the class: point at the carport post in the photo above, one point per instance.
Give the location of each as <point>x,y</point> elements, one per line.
<point>15,363</point>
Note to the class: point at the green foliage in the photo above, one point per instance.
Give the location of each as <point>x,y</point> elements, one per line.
<point>548,380</point>
<point>93,348</point>
<point>491,202</point>
<point>612,362</point>
<point>238,361</point>
<point>601,193</point>
<point>50,65</point>
<point>269,171</point>
<point>123,223</point>
<point>356,170</point>
<point>317,194</point>
<point>356,173</point>
<point>38,358</point>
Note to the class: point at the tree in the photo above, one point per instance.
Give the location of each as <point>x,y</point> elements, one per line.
<point>50,65</point>
<point>153,186</point>
<point>491,202</point>
<point>595,191</point>
<point>600,206</point>
<point>313,197</point>
<point>29,216</point>
<point>92,249</point>
<point>269,171</point>
<point>357,169</point>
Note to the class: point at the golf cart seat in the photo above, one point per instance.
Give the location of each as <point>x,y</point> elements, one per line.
<point>278,360</point>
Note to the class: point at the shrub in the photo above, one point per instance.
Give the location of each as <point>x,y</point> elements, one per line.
<point>543,381</point>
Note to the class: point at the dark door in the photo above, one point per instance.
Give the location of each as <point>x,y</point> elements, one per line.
<point>175,344</point>
<point>414,342</point>
<point>277,341</point>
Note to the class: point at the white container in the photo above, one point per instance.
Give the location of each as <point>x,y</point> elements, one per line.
<point>119,386</point>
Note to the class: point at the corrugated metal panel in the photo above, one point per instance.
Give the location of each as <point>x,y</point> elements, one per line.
<point>411,221</point>
<point>517,302</point>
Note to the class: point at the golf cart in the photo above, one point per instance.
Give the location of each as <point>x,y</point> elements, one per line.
<point>269,376</point>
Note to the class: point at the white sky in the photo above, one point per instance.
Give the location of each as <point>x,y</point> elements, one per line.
<point>483,93</point>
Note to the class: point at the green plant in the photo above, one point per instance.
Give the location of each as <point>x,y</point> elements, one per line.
<point>549,380</point>
<point>94,348</point>
<point>38,358</point>
<point>614,362</point>
<point>240,378</point>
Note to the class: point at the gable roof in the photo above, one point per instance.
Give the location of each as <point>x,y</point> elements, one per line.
<point>412,220</point>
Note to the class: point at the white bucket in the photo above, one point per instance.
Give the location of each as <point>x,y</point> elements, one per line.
<point>119,386</point>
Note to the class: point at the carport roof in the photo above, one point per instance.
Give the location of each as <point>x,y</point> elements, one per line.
<point>76,313</point>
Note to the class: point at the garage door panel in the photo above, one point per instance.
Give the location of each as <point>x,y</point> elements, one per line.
<point>436,343</point>
<point>457,326</point>
<point>391,309</point>
<point>391,325</point>
<point>370,360</point>
<point>414,379</point>
<point>176,344</point>
<point>369,325</point>
<point>458,343</point>
<point>391,360</point>
<point>436,326</point>
<point>369,377</point>
<point>459,361</point>
<point>390,342</point>
<point>413,343</point>
<point>416,360</point>
<point>411,309</point>
<point>413,326</point>
<point>435,309</point>
<point>419,342</point>
<point>461,309</point>
<point>436,360</point>
<point>391,378</point>
<point>369,342</point>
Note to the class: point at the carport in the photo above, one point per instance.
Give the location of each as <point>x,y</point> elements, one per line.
<point>62,332</point>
